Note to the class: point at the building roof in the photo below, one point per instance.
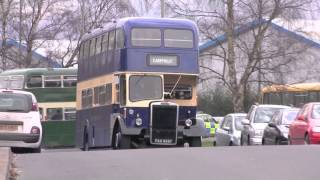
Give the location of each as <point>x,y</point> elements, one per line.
<point>41,71</point>
<point>252,25</point>
<point>12,42</point>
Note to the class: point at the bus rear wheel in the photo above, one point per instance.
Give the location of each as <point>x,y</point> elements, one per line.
<point>120,141</point>
<point>85,145</point>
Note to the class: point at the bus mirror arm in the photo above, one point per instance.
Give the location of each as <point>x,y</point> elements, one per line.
<point>175,85</point>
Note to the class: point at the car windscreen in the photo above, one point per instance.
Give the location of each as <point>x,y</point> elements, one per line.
<point>316,111</point>
<point>289,116</point>
<point>237,122</point>
<point>11,102</point>
<point>264,114</point>
<point>143,87</point>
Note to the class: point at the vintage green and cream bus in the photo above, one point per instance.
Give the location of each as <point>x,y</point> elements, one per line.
<point>55,90</point>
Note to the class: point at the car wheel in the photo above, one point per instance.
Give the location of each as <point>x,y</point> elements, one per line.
<point>243,141</point>
<point>307,139</point>
<point>263,142</point>
<point>195,142</point>
<point>121,141</point>
<point>289,141</point>
<point>277,141</point>
<point>214,143</point>
<point>230,144</point>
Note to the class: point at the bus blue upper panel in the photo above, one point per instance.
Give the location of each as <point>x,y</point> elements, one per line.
<point>137,59</point>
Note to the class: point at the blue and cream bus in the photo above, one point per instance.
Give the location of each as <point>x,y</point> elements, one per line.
<point>137,85</point>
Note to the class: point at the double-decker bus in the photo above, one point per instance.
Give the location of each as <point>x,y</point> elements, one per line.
<point>55,90</point>
<point>137,85</point>
<point>291,94</point>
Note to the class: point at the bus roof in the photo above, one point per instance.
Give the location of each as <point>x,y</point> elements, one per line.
<point>130,22</point>
<point>301,87</point>
<point>41,71</point>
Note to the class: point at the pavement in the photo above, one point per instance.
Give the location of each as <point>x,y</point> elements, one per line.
<point>5,159</point>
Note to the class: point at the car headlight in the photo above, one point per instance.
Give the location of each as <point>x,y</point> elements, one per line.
<point>188,122</point>
<point>138,121</point>
<point>316,129</point>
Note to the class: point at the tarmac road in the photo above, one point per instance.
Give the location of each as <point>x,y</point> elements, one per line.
<point>221,163</point>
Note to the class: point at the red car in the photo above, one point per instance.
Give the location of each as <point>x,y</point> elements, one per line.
<point>305,129</point>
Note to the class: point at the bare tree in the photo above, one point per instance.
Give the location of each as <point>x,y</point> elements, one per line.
<point>241,58</point>
<point>88,15</point>
<point>5,12</point>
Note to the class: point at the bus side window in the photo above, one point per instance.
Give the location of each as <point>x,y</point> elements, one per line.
<point>92,47</point>
<point>69,114</point>
<point>54,113</point>
<point>122,90</point>
<point>52,81</point>
<point>108,93</point>
<point>34,82</point>
<point>96,95</point>
<point>105,47</point>
<point>83,99</point>
<point>69,81</point>
<point>89,97</point>
<point>111,41</point>
<point>119,39</point>
<point>98,45</point>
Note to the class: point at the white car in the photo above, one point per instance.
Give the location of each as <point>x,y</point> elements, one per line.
<point>257,119</point>
<point>20,124</point>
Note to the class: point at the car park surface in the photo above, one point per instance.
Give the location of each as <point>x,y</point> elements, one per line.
<point>278,128</point>
<point>229,132</point>
<point>20,125</point>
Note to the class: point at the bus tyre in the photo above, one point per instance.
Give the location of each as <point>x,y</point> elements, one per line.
<point>85,146</point>
<point>195,142</point>
<point>121,141</point>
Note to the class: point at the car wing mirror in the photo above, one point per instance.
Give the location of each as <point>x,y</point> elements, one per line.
<point>227,129</point>
<point>245,122</point>
<point>301,117</point>
<point>272,124</point>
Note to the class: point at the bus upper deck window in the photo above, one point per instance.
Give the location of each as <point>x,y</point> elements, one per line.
<point>119,39</point>
<point>178,38</point>
<point>34,82</point>
<point>52,81</point>
<point>69,81</point>
<point>146,37</point>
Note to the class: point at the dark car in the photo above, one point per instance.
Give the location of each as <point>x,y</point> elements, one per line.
<point>276,132</point>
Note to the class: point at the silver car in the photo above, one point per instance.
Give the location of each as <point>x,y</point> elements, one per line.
<point>229,131</point>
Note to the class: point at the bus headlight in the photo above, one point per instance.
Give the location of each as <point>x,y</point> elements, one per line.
<point>188,122</point>
<point>138,121</point>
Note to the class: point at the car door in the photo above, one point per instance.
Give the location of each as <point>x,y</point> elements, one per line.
<point>300,126</point>
<point>222,134</point>
<point>270,131</point>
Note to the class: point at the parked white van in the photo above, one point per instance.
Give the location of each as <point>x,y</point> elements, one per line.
<point>20,124</point>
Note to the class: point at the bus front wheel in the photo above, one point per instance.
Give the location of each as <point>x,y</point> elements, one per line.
<point>120,141</point>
